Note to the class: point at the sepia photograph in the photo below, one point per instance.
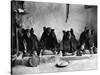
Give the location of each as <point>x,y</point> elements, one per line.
<point>48,37</point>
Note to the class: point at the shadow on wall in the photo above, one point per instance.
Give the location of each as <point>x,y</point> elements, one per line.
<point>54,14</point>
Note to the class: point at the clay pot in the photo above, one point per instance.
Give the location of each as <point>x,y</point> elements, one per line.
<point>34,61</point>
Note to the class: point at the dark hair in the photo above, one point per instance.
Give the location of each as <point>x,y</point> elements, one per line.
<point>71,30</point>
<point>31,31</point>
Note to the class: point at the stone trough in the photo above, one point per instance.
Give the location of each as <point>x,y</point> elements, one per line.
<point>48,64</point>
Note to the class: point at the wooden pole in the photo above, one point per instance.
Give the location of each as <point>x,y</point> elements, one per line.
<point>67,12</point>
